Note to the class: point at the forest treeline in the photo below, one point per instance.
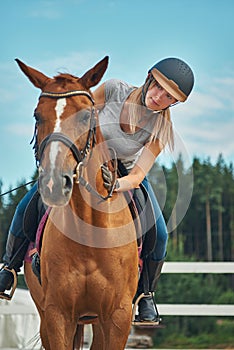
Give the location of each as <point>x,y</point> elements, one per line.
<point>198,205</point>
<point>206,230</point>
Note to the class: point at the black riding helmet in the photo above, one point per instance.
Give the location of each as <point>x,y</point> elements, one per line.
<point>174,75</point>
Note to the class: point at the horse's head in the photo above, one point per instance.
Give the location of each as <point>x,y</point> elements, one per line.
<point>65,128</point>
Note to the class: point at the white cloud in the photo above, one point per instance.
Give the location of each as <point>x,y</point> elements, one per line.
<point>206,121</point>
<point>20,129</point>
<point>228,81</point>
<point>207,138</point>
<point>47,10</point>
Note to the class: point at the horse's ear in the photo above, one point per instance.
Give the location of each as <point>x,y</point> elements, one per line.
<point>95,74</point>
<point>37,78</point>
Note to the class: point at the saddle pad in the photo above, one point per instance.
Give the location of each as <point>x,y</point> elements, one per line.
<point>36,246</point>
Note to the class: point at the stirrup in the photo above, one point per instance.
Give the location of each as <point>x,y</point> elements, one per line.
<point>146,324</point>
<point>8,296</point>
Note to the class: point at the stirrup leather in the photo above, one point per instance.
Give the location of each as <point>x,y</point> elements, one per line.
<point>136,322</point>
<point>8,296</point>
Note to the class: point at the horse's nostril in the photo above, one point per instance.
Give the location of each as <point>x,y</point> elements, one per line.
<point>67,183</point>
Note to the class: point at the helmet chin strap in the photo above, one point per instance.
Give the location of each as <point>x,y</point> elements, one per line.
<point>174,104</point>
<point>145,88</point>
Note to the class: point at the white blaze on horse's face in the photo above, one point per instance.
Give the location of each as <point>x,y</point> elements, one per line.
<point>55,148</point>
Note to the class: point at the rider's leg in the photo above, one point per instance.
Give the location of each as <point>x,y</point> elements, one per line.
<point>147,310</point>
<point>17,244</point>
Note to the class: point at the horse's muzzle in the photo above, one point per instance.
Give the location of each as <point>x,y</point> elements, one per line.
<point>56,190</point>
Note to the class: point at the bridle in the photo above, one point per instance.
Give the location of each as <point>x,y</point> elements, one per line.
<point>79,155</point>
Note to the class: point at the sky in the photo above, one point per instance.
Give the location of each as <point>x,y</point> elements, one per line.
<point>73,35</point>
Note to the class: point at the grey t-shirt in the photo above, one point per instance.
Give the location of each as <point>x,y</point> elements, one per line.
<point>127,146</point>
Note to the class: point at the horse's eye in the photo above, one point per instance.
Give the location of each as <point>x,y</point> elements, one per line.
<point>84,117</point>
<point>37,117</point>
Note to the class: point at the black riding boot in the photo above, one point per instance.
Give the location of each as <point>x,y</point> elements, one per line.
<point>16,249</point>
<point>147,308</point>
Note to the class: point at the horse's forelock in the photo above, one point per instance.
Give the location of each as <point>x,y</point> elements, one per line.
<point>65,77</point>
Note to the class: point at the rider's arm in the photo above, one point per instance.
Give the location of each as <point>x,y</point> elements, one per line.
<point>142,167</point>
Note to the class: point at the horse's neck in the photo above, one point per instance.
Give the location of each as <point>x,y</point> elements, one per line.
<point>94,223</point>
<point>91,221</point>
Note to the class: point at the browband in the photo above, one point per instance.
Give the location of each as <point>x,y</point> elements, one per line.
<point>57,95</point>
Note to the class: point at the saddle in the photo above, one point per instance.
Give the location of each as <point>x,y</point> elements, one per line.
<point>34,220</point>
<point>142,211</point>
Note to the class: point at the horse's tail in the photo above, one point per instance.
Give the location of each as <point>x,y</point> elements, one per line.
<point>79,337</point>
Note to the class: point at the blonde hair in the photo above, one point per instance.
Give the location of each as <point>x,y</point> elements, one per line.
<point>162,130</point>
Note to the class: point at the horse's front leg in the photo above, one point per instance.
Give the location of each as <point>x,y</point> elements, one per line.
<point>43,334</point>
<point>38,298</point>
<point>113,333</point>
<point>60,330</point>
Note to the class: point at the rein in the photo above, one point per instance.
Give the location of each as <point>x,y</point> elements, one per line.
<point>17,188</point>
<point>79,155</point>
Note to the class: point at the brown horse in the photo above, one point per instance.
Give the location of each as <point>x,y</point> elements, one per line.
<point>89,260</point>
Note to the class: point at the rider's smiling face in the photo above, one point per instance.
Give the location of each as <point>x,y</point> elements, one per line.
<point>157,98</point>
